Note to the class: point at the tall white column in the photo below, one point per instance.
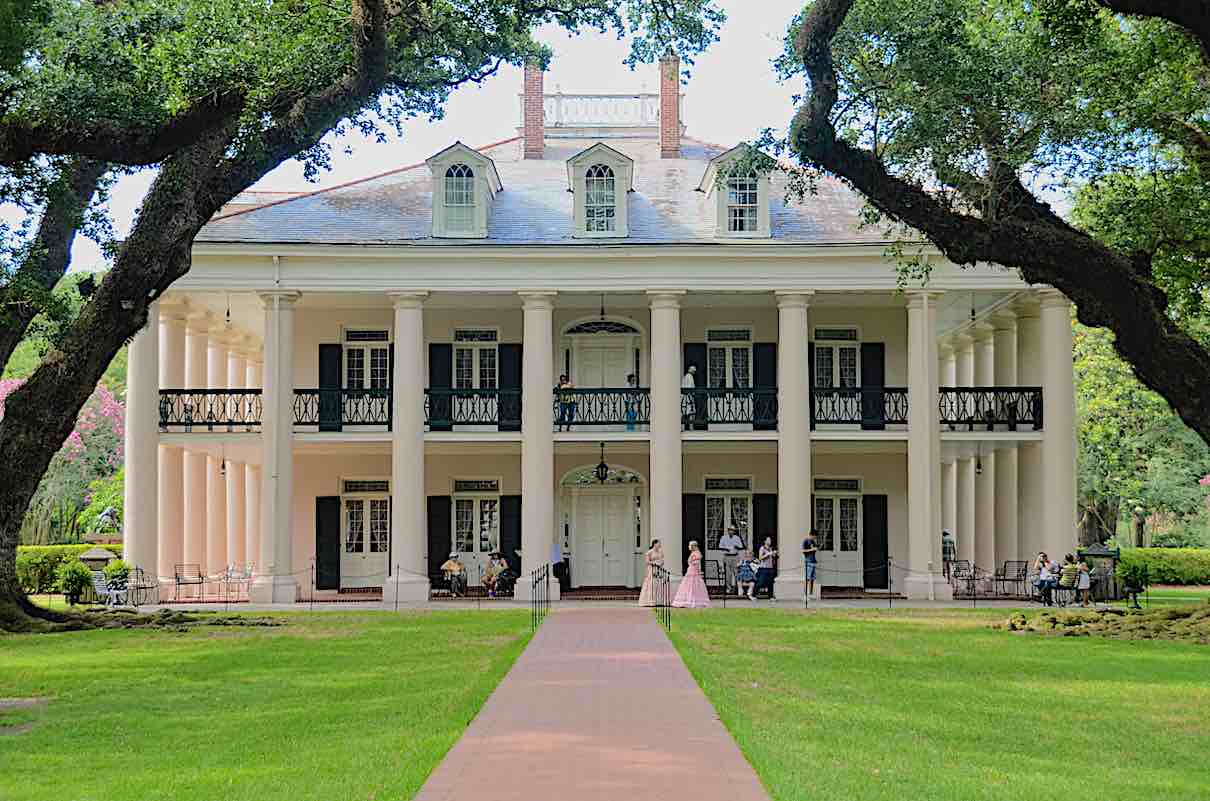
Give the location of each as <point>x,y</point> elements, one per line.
<point>252,477</point>
<point>1029,456</point>
<point>665,479</point>
<point>274,581</point>
<point>235,491</point>
<point>793,442</point>
<point>964,353</point>
<point>197,338</point>
<point>409,574</point>
<point>1007,545</point>
<point>1058,426</point>
<point>985,464</point>
<point>216,468</point>
<point>172,457</point>
<point>948,365</point>
<point>924,453</point>
<point>537,438</point>
<point>140,508</point>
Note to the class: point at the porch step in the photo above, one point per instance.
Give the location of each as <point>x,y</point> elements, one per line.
<point>600,594</point>
<point>857,594</point>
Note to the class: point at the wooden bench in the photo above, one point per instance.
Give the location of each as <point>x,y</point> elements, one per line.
<point>188,575</point>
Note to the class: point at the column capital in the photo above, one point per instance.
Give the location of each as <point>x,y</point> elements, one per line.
<point>1004,320</point>
<point>1051,298</point>
<point>174,308</point>
<point>199,322</point>
<point>538,299</point>
<point>982,331</point>
<point>408,300</point>
<point>916,298</point>
<point>284,297</point>
<point>666,298</point>
<point>945,348</point>
<point>962,340</point>
<point>793,298</point>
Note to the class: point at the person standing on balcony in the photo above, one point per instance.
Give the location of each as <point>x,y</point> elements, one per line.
<point>632,401</point>
<point>567,403</point>
<point>689,404</point>
<point>730,544</point>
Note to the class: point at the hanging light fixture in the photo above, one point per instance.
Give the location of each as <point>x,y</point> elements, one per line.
<point>222,465</point>
<point>228,325</point>
<point>602,306</point>
<point>601,471</point>
<point>979,460</point>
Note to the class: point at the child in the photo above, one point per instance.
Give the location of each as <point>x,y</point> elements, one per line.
<point>1084,583</point>
<point>745,575</point>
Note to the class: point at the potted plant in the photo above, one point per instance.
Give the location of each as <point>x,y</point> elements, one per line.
<point>72,577</point>
<point>1135,576</point>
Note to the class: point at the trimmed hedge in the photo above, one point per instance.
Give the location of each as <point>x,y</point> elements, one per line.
<point>1171,565</point>
<point>37,564</point>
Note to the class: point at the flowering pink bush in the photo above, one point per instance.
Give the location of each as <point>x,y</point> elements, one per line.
<point>1205,482</point>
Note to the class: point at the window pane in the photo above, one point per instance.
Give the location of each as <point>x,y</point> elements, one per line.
<point>848,367</point>
<point>717,368</point>
<point>464,368</point>
<point>380,525</point>
<point>740,514</point>
<point>740,368</point>
<point>715,509</point>
<point>459,198</point>
<point>741,204</point>
<point>464,525</point>
<point>599,199</point>
<point>354,526</point>
<point>380,368</point>
<point>848,524</point>
<point>489,539</point>
<point>823,522</point>
<point>355,368</point>
<point>487,368</point>
<point>823,366</point>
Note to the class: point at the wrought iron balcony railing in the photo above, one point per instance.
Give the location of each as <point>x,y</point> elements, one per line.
<point>869,407</point>
<point>989,407</point>
<point>445,409</point>
<point>332,409</point>
<point>604,406</point>
<point>210,409</point>
<point>755,407</point>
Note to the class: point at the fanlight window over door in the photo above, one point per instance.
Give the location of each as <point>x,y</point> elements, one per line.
<point>600,199</point>
<point>460,199</point>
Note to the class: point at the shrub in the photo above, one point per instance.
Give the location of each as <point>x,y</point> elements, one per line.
<point>1170,565</point>
<point>117,573</point>
<point>37,564</point>
<point>72,577</point>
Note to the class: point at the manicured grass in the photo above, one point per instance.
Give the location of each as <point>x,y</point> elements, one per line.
<point>1168,595</point>
<point>933,705</point>
<point>331,706</point>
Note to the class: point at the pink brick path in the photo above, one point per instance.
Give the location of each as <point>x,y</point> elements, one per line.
<point>598,708</point>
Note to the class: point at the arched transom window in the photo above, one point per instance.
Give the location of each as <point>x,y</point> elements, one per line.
<point>459,198</point>
<point>599,199</point>
<point>741,204</point>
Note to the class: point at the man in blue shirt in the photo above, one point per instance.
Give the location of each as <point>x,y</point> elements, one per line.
<point>809,549</point>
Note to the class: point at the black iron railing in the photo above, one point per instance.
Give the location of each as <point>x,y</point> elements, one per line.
<point>539,596</point>
<point>661,595</point>
<point>210,409</point>
<point>989,407</point>
<point>445,409</point>
<point>331,409</point>
<point>868,406</point>
<point>701,407</point>
<point>630,406</point>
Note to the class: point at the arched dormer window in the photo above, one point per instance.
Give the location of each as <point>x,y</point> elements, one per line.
<point>600,199</point>
<point>459,199</point>
<point>743,204</point>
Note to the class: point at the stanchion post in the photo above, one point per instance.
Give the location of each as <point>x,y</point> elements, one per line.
<point>396,588</point>
<point>890,583</point>
<point>312,585</point>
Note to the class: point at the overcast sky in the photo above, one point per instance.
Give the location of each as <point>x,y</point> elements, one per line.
<point>731,95</point>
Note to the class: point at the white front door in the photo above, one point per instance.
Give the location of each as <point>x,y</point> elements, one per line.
<point>838,521</point>
<point>602,362</point>
<point>366,537</point>
<point>722,512</point>
<point>602,536</point>
<point>476,532</point>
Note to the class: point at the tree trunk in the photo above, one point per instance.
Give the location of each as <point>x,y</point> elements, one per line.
<point>1098,522</point>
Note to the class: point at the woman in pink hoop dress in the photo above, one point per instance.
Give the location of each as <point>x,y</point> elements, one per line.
<point>655,556</point>
<point>692,592</point>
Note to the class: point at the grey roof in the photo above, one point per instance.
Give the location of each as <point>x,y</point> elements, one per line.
<point>535,207</point>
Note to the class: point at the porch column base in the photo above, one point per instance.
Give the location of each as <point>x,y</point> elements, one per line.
<point>523,589</point>
<point>273,590</point>
<point>405,589</point>
<point>791,587</point>
<point>928,587</point>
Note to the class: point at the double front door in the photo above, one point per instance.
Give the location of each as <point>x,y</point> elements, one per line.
<point>837,520</point>
<point>476,532</point>
<point>602,535</point>
<point>365,540</point>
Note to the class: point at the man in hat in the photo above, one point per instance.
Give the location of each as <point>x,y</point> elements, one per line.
<point>455,573</point>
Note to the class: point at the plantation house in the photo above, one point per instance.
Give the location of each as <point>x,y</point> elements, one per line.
<point>363,377</point>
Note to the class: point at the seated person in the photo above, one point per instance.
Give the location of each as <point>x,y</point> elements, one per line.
<point>455,573</point>
<point>745,574</point>
<point>504,576</point>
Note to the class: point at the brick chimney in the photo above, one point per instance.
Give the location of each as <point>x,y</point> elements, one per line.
<point>670,106</point>
<point>533,112</point>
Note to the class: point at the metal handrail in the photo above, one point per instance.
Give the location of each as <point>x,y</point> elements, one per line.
<point>228,409</point>
<point>990,407</point>
<point>743,405</point>
<point>859,405</point>
<point>446,407</point>
<point>602,406</point>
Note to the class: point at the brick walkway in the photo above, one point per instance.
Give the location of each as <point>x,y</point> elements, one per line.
<point>598,708</point>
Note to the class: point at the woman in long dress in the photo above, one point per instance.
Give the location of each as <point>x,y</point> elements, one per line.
<point>655,556</point>
<point>692,592</point>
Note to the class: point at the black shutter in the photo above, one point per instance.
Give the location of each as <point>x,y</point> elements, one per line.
<point>698,408</point>
<point>693,524</point>
<point>441,380</point>
<point>509,405</point>
<point>764,524</point>
<point>510,530</point>
<point>330,366</point>
<point>440,539</point>
<point>391,386</point>
<point>873,379</point>
<point>874,540</point>
<point>764,381</point>
<point>811,381</point>
<point>327,543</point>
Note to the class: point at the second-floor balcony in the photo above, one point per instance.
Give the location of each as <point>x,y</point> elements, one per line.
<point>333,409</point>
<point>476,409</point>
<point>725,406</point>
<point>626,408</point>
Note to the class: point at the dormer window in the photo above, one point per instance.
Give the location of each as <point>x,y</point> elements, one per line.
<point>740,194</point>
<point>600,199</point>
<point>464,184</point>
<point>599,179</point>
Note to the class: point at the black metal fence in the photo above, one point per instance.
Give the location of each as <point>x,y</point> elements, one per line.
<point>720,405</point>
<point>661,595</point>
<point>210,409</point>
<point>604,406</point>
<point>868,406</point>
<point>539,597</point>
<point>445,409</point>
<point>330,409</point>
<point>989,407</point>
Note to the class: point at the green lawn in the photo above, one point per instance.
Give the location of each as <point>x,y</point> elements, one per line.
<point>332,707</point>
<point>922,705</point>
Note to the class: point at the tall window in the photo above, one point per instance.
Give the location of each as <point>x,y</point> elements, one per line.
<point>836,363</point>
<point>460,199</point>
<point>599,199</point>
<point>741,204</point>
<point>729,358</point>
<point>475,362</point>
<point>367,359</point>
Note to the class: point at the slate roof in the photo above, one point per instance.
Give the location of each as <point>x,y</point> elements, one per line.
<point>535,207</point>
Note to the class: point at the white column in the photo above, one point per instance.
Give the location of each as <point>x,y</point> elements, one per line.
<point>235,490</point>
<point>1058,426</point>
<point>793,442</point>
<point>274,581</point>
<point>949,464</point>
<point>197,337</point>
<point>216,482</point>
<point>409,572</point>
<point>985,464</point>
<point>965,495</point>
<point>140,509</point>
<point>252,477</point>
<point>172,457</point>
<point>924,453</point>
<point>665,480</point>
<point>1007,546</point>
<point>1029,456</point>
<point>537,439</point>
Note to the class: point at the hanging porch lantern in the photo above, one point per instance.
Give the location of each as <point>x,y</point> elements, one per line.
<point>601,471</point>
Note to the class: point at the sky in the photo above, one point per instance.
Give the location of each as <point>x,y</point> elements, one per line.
<point>731,94</point>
